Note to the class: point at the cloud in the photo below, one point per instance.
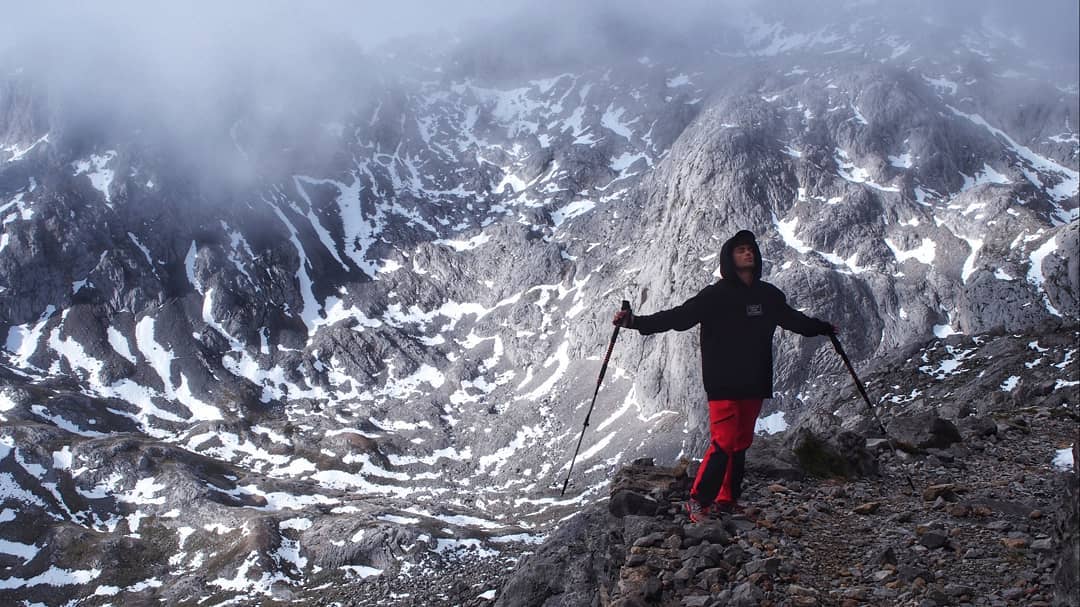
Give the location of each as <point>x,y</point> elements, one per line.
<point>184,74</point>
<point>192,70</point>
<point>189,70</point>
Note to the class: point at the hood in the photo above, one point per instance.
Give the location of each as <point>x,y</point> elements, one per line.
<point>727,261</point>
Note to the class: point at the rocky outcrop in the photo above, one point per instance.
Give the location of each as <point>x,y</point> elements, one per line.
<point>984,528</point>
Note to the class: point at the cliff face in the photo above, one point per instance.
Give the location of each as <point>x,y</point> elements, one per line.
<point>282,350</point>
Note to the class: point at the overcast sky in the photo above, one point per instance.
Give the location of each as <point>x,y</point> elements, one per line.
<point>191,41</point>
<point>195,24</point>
<point>199,24</point>
<point>192,49</point>
<point>183,62</point>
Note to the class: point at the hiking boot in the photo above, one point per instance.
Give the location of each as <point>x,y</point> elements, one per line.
<point>696,511</point>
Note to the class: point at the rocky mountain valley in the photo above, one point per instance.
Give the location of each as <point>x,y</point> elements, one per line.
<point>333,342</point>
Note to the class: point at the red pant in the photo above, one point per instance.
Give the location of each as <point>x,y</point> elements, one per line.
<point>731,428</point>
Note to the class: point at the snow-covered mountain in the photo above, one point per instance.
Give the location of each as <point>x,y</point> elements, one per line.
<point>372,348</point>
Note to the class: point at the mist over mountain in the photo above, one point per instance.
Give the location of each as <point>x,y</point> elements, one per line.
<point>293,299</point>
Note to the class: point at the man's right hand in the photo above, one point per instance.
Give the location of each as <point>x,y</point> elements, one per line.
<point>623,318</point>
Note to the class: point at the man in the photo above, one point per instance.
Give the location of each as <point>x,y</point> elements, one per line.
<point>738,316</point>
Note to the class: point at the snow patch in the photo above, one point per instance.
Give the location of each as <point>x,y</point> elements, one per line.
<point>100,177</point>
<point>969,264</point>
<point>855,174</point>
<point>924,253</point>
<point>612,120</point>
<point>771,424</point>
<point>53,576</point>
<point>942,84</point>
<point>902,161</point>
<point>1035,274</point>
<point>1063,460</point>
<point>466,245</point>
<point>986,176</point>
<point>575,208</point>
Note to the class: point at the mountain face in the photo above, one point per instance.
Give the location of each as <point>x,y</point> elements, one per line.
<point>361,346</point>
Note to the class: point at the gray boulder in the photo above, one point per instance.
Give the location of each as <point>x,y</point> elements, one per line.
<point>921,431</point>
<point>976,426</point>
<point>823,448</point>
<point>569,569</point>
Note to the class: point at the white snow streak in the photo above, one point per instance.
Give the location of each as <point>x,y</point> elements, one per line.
<point>1035,274</point>
<point>924,253</point>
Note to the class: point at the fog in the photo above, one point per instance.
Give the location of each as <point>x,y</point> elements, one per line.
<point>191,68</point>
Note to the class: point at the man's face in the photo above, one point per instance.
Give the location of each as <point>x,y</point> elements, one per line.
<point>744,257</point>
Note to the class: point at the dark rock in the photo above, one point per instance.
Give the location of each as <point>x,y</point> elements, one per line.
<point>768,458</point>
<point>908,573</point>
<point>769,566</point>
<point>919,431</point>
<point>713,532</point>
<point>713,577</point>
<point>709,553</point>
<point>652,539</point>
<point>933,540</point>
<point>1011,508</point>
<point>958,590</point>
<point>746,595</point>
<point>884,557</point>
<point>697,563</point>
<point>934,492</point>
<point>823,449</point>
<point>635,527</point>
<point>653,589</point>
<point>735,556</point>
<point>1043,545</point>
<point>571,564</point>
<point>626,502</point>
<point>976,427</point>
<point>937,596</point>
<point>684,575</point>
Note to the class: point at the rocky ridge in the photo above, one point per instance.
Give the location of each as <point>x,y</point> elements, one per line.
<point>990,521</point>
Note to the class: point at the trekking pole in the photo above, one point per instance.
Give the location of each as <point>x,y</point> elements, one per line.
<point>862,390</point>
<point>603,368</point>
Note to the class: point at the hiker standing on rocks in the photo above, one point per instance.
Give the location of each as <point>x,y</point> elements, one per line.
<point>738,316</point>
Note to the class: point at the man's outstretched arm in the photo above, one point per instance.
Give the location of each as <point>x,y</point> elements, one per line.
<point>679,318</point>
<point>794,320</point>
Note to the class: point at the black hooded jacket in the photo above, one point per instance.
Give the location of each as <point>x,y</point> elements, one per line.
<point>737,325</point>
